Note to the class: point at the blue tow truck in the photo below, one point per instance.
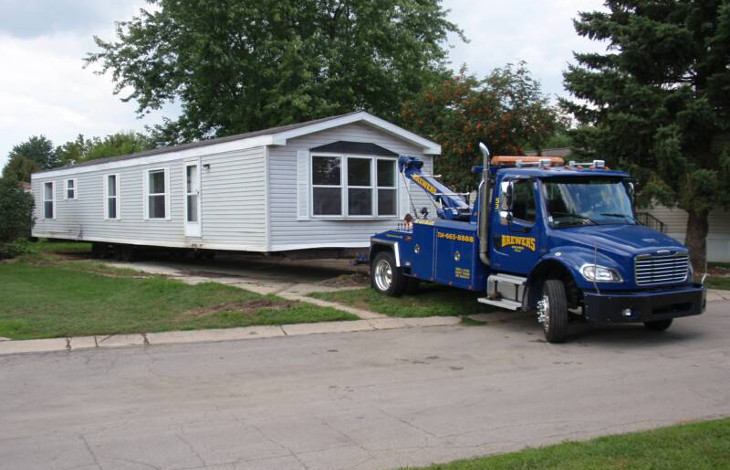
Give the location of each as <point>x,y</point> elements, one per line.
<point>558,240</point>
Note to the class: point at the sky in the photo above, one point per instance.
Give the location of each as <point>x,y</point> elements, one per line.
<point>45,89</point>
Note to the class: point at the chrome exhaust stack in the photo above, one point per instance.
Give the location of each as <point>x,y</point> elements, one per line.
<point>484,203</point>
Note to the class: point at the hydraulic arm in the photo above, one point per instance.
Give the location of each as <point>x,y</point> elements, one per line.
<point>449,205</point>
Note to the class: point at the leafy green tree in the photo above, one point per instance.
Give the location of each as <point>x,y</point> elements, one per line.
<point>73,151</point>
<point>122,143</point>
<point>506,110</point>
<point>16,214</point>
<point>656,103</point>
<point>242,65</point>
<point>20,168</point>
<point>37,148</point>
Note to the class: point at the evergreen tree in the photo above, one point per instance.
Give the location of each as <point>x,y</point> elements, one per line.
<point>20,168</point>
<point>656,102</point>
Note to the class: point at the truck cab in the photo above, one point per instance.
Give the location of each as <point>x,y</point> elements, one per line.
<point>558,240</point>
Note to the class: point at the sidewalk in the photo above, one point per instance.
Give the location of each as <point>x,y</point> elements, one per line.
<point>217,335</point>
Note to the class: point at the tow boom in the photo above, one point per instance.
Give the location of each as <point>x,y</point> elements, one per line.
<point>449,205</point>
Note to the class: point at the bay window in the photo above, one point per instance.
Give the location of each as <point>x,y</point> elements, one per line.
<point>353,186</point>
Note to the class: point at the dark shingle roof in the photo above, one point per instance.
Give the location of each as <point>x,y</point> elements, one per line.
<point>201,143</point>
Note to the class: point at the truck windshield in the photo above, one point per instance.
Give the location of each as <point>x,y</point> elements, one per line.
<point>587,201</point>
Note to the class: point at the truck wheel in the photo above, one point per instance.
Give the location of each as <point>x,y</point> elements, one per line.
<point>552,311</point>
<point>385,277</point>
<point>412,285</point>
<point>659,325</point>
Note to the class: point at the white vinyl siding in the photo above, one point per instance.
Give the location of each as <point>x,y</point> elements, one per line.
<point>112,197</point>
<point>49,200</point>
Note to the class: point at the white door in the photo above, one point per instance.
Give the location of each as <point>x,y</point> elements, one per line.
<point>192,199</point>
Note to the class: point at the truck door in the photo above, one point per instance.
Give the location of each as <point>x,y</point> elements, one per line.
<point>514,228</point>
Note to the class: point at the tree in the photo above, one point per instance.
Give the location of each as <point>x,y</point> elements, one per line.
<point>656,103</point>
<point>242,65</point>
<point>37,148</point>
<point>121,143</point>
<point>20,168</point>
<point>16,214</point>
<point>506,110</point>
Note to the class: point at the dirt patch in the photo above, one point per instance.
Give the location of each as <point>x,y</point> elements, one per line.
<point>348,280</point>
<point>719,271</point>
<point>246,307</point>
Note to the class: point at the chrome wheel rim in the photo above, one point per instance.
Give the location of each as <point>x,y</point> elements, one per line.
<point>383,275</point>
<point>543,312</point>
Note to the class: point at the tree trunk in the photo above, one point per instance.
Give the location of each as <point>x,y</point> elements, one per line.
<point>696,240</point>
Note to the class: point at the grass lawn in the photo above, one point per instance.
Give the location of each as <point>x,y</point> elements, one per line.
<point>696,446</point>
<point>45,295</point>
<point>718,282</point>
<point>430,300</point>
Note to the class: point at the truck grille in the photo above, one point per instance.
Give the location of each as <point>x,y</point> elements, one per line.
<point>661,269</point>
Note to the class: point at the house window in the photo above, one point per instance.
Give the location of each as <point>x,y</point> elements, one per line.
<point>386,188</point>
<point>327,185</point>
<point>111,198</point>
<point>367,184</point>
<point>49,200</point>
<point>70,189</point>
<point>359,186</point>
<point>157,195</point>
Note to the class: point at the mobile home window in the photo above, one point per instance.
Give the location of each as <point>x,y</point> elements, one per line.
<point>368,185</point>
<point>157,194</point>
<point>111,202</point>
<point>71,189</point>
<point>359,186</point>
<point>49,201</point>
<point>386,188</point>
<point>327,185</point>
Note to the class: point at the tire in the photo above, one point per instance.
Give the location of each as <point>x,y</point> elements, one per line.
<point>659,325</point>
<point>412,285</point>
<point>385,277</point>
<point>552,311</point>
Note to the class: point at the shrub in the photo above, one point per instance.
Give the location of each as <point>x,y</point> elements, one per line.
<point>16,217</point>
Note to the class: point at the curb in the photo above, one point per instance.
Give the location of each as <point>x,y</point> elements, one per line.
<point>216,335</point>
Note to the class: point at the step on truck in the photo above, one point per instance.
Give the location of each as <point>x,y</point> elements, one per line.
<point>558,240</point>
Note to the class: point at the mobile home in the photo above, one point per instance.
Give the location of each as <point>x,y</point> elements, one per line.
<point>324,184</point>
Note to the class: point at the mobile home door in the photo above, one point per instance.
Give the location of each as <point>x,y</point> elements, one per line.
<point>192,199</point>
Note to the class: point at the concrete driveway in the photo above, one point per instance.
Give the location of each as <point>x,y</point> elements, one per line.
<point>262,274</point>
<point>358,400</point>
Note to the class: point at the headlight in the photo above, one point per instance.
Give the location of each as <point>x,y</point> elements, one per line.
<point>595,273</point>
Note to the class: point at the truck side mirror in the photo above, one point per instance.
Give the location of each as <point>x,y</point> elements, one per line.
<point>509,197</point>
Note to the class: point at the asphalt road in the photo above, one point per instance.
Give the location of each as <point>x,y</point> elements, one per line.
<point>357,400</point>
